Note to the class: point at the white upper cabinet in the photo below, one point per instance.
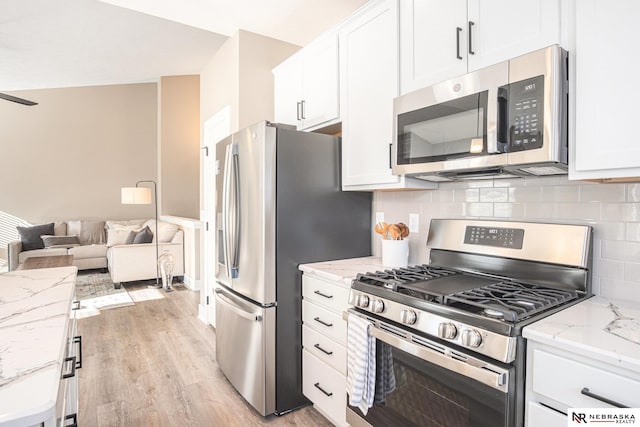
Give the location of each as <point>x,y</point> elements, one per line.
<point>605,144</point>
<point>369,83</point>
<point>440,40</point>
<point>306,86</point>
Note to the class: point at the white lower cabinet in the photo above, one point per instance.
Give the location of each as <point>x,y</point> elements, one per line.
<point>325,387</point>
<point>558,380</point>
<point>324,337</point>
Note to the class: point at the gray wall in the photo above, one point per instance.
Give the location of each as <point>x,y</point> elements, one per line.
<point>68,156</point>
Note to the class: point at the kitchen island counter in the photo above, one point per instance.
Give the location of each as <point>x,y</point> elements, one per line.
<point>34,322</point>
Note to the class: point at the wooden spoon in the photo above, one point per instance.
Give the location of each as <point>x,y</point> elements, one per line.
<point>404,230</point>
<point>395,232</point>
<point>381,228</point>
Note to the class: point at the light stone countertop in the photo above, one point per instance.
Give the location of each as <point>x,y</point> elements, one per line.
<point>599,328</point>
<point>343,270</point>
<point>34,317</point>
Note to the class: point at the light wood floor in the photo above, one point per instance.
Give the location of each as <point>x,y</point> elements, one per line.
<point>153,364</point>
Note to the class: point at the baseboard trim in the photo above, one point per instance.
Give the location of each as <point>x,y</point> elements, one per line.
<point>193,284</point>
<point>202,313</point>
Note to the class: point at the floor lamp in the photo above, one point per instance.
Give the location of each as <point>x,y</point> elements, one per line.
<point>142,196</point>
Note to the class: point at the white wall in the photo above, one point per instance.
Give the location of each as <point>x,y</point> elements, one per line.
<point>612,209</point>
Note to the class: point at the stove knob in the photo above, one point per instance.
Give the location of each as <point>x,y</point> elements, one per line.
<point>377,306</point>
<point>471,338</point>
<point>362,301</point>
<point>447,331</point>
<point>408,317</point>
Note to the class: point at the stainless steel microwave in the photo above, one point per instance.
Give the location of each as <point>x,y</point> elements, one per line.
<point>509,119</point>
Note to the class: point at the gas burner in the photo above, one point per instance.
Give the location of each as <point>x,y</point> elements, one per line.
<point>494,314</point>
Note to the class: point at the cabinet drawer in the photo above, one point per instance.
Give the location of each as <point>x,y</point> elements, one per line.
<point>325,387</point>
<point>538,415</point>
<point>332,296</point>
<point>326,349</point>
<point>562,380</point>
<point>324,321</point>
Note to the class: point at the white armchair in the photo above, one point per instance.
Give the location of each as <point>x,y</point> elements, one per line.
<point>138,261</point>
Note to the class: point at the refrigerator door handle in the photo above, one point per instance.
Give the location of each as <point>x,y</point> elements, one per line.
<point>234,235</point>
<point>237,309</point>
<point>225,212</point>
<point>231,210</point>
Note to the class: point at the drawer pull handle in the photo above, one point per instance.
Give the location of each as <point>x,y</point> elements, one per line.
<point>323,295</point>
<point>317,385</point>
<point>328,353</point>
<point>71,374</point>
<point>317,319</point>
<point>78,340</point>
<point>73,418</point>
<point>586,392</point>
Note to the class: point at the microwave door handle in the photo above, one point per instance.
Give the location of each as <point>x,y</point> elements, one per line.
<point>493,121</point>
<point>493,378</point>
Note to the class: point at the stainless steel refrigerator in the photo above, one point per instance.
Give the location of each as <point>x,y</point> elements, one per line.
<point>278,204</point>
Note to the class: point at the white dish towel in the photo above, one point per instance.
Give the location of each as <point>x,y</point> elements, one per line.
<point>361,363</point>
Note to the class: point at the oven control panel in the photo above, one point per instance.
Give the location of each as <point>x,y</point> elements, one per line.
<point>494,236</point>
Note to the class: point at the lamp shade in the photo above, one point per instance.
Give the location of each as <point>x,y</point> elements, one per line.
<point>136,196</point>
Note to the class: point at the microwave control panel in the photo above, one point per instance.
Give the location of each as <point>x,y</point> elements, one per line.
<point>511,238</point>
<point>526,114</point>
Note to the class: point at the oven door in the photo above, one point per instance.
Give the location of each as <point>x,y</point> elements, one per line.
<point>438,386</point>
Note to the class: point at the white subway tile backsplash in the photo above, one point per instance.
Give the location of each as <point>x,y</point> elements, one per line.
<point>494,195</point>
<point>619,289</point>
<point>610,230</point>
<point>632,271</point>
<point>621,250</point>
<point>602,193</point>
<point>612,209</point>
<point>480,183</point>
<point>478,209</point>
<point>466,195</point>
<point>508,210</point>
<point>525,194</point>
<point>609,269</point>
<point>633,192</point>
<point>561,193</point>
<point>629,212</point>
<point>509,182</point>
<point>633,231</point>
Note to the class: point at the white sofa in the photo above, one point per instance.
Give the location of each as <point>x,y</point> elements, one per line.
<point>125,262</point>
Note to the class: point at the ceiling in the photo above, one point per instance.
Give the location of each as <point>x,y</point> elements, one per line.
<point>64,43</point>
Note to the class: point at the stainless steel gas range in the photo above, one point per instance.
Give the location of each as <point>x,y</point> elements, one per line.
<point>452,328</point>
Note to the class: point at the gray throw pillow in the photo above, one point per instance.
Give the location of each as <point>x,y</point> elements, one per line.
<point>130,237</point>
<point>60,241</point>
<point>30,236</point>
<point>143,236</point>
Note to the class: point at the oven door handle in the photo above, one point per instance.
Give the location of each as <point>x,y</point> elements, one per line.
<point>485,374</point>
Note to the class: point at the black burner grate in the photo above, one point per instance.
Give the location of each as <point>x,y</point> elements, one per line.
<point>512,301</point>
<point>390,279</point>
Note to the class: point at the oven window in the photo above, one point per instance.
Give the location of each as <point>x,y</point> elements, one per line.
<point>428,395</point>
<point>457,128</point>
